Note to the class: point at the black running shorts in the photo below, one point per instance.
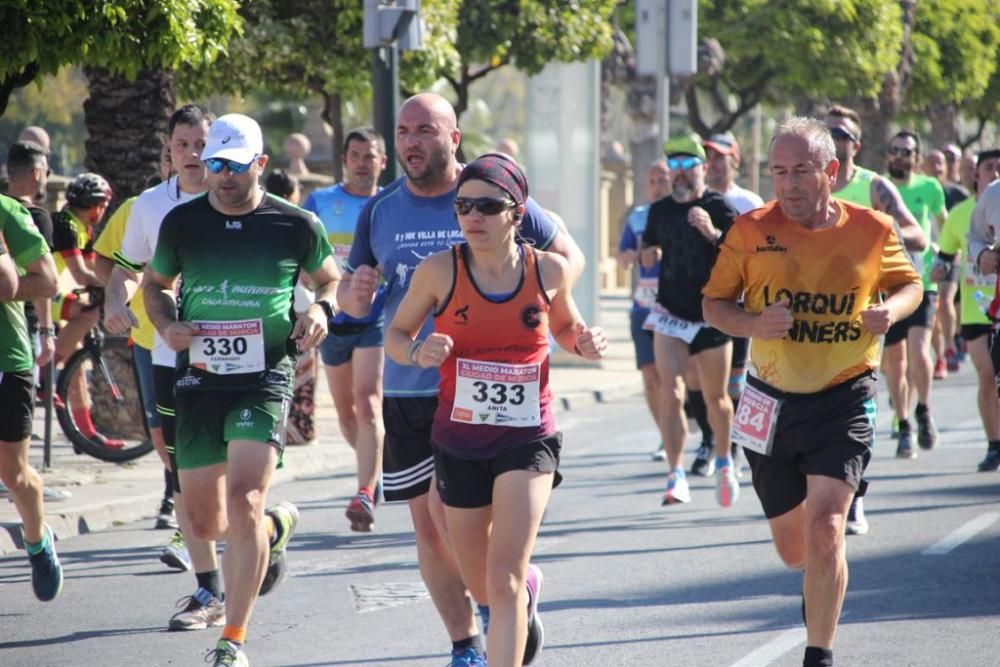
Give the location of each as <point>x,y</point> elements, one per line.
<point>973,331</point>
<point>166,408</point>
<point>17,404</point>
<point>468,483</point>
<point>408,459</point>
<point>828,433</point>
<point>923,316</point>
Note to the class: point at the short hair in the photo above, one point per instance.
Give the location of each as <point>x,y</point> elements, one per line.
<point>903,134</point>
<point>840,111</point>
<point>24,156</point>
<point>814,132</point>
<point>366,135</point>
<point>189,114</point>
<point>279,182</point>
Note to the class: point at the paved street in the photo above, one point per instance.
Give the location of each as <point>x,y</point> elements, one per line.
<point>627,581</point>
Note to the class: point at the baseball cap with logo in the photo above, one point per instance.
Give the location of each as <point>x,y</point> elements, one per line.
<point>234,137</point>
<point>684,144</point>
<point>725,143</point>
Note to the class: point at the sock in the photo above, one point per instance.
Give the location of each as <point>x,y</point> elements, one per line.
<point>723,461</point>
<point>367,490</point>
<point>210,582</point>
<point>168,490</point>
<point>994,445</point>
<point>921,409</point>
<point>83,422</point>
<point>904,425</point>
<point>679,473</point>
<point>818,657</point>
<point>37,547</point>
<point>469,642</point>
<point>700,414</point>
<point>238,635</point>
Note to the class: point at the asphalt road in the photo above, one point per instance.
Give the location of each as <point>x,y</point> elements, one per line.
<point>628,582</point>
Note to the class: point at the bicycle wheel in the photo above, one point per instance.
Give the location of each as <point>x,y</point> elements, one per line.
<point>116,407</point>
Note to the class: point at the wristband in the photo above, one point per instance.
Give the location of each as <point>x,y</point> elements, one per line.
<point>414,352</point>
<point>327,308</point>
<point>46,331</point>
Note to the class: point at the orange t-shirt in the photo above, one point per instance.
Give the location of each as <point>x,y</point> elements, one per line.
<point>829,276</point>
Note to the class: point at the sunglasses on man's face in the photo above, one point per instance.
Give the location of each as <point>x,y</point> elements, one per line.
<point>485,205</point>
<point>216,165</point>
<point>683,163</point>
<point>840,134</point>
<point>900,151</point>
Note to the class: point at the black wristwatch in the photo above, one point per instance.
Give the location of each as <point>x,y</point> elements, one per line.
<point>327,308</point>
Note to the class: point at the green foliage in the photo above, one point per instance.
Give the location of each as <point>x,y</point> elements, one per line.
<point>955,46</point>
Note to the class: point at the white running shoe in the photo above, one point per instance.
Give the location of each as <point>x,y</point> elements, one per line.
<point>677,491</point>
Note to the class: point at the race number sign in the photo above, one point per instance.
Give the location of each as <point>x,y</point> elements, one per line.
<point>755,420</point>
<point>487,392</point>
<point>645,292</point>
<point>340,254</point>
<point>226,348</point>
<point>663,322</point>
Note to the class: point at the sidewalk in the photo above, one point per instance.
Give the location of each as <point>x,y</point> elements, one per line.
<point>105,494</point>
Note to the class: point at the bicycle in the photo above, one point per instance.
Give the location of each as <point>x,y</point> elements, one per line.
<point>113,385</point>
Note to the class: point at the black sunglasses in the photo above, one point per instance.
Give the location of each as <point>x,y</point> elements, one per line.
<point>485,205</point>
<point>839,133</point>
<point>900,151</point>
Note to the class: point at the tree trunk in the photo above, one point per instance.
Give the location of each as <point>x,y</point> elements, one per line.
<point>333,115</point>
<point>127,125</point>
<point>944,125</point>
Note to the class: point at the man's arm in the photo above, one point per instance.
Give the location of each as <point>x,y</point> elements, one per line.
<point>103,267</point>
<point>8,275</point>
<point>770,324</point>
<point>39,280</point>
<point>983,230</point>
<point>122,284</point>
<point>886,198</point>
<point>311,328</point>
<point>564,244</point>
<point>81,273</point>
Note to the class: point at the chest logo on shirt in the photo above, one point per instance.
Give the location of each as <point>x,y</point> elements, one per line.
<point>530,317</point>
<point>772,246</point>
<point>462,315</point>
<point>234,224</point>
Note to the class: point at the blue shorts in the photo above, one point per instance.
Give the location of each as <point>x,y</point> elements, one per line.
<point>143,360</point>
<point>642,339</point>
<point>338,346</point>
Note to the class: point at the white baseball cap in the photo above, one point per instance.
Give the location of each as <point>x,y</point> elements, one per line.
<point>234,137</point>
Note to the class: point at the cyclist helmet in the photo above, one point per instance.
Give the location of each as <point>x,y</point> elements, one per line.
<point>87,190</point>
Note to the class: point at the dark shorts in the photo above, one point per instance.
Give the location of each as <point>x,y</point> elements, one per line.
<point>163,392</point>
<point>408,459</point>
<point>642,339</point>
<point>17,404</point>
<point>923,316</point>
<point>143,360</point>
<point>974,331</point>
<point>828,433</point>
<point>741,351</point>
<point>706,339</point>
<point>468,483</point>
<point>338,346</point>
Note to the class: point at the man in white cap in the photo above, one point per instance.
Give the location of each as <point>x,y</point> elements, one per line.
<point>239,252</point>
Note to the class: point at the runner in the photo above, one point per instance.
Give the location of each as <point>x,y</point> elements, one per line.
<point>811,269</point>
<point>409,220</point>
<point>976,290</point>
<point>352,352</point>
<point>24,247</point>
<point>495,444</point>
<point>644,283</point>
<point>236,342</point>
<point>187,129</point>
<point>684,230</point>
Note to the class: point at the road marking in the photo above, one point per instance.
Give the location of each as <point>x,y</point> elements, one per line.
<point>774,649</point>
<point>382,596</point>
<point>963,534</point>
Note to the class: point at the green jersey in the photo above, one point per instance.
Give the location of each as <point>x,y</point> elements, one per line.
<point>859,189</point>
<point>238,273</point>
<point>924,197</point>
<point>973,287</point>
<point>26,246</point>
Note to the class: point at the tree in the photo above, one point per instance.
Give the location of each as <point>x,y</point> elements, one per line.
<point>120,41</point>
<point>756,51</point>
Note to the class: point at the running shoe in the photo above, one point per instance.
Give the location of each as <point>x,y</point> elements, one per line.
<point>166,518</point>
<point>660,453</point>
<point>48,493</point>
<point>361,512</point>
<point>991,462</point>
<point>466,657</point>
<point>175,554</point>
<point>285,516</point>
<point>677,491</point>
<point>894,433</point>
<point>703,465</point>
<point>905,450</point>
<point>727,488</point>
<point>951,357</point>
<point>201,610</point>
<point>46,571</point>
<point>857,524</point>
<point>940,370</point>
<point>228,654</point>
<point>536,632</point>
<point>927,433</point>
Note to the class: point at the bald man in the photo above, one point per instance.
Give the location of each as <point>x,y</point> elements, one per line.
<point>411,218</point>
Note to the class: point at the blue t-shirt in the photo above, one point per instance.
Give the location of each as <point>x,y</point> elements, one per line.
<point>396,230</point>
<point>645,280</point>
<point>338,210</point>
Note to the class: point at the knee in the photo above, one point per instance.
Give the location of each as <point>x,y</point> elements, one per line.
<point>245,510</point>
<point>367,404</point>
<point>825,537</point>
<point>791,552</point>
<point>206,526</point>
<point>503,586</point>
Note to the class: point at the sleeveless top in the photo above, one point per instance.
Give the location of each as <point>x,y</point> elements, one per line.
<point>859,189</point>
<point>494,392</point>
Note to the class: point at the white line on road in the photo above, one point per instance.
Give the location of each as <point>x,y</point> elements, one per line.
<point>963,534</point>
<point>774,649</point>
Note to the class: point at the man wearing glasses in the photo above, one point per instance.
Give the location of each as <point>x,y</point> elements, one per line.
<point>239,252</point>
<point>684,231</point>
